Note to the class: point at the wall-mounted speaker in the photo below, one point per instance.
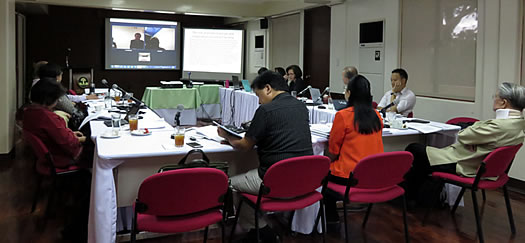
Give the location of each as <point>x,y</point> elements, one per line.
<point>263,23</point>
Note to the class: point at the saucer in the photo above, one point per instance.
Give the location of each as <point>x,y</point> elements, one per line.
<point>109,135</point>
<point>141,132</point>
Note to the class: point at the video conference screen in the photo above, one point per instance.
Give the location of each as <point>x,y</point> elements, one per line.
<point>139,44</point>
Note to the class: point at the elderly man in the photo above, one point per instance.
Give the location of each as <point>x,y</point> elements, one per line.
<point>400,99</point>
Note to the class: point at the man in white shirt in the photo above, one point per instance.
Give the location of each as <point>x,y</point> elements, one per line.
<point>400,99</point>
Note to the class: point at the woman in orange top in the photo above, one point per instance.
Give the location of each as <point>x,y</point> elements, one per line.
<point>356,133</point>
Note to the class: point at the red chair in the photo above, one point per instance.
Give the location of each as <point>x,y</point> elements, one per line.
<point>180,201</point>
<point>45,168</point>
<point>374,104</point>
<point>375,179</point>
<point>496,164</point>
<point>457,120</point>
<point>410,115</point>
<point>288,185</point>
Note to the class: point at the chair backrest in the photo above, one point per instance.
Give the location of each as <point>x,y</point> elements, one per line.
<point>382,170</point>
<point>499,160</point>
<point>44,160</point>
<point>374,104</point>
<point>410,115</point>
<point>457,120</point>
<point>183,191</point>
<point>296,176</point>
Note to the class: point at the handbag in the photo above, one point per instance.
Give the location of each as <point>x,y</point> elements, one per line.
<point>204,161</point>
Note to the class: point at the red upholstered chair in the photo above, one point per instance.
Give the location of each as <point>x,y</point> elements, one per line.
<point>179,201</point>
<point>457,120</point>
<point>45,168</point>
<point>289,184</point>
<point>375,179</point>
<point>496,164</point>
<point>374,104</point>
<point>410,115</point>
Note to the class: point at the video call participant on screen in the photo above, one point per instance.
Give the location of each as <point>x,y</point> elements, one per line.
<point>356,133</point>
<point>280,129</point>
<point>295,82</point>
<point>400,99</point>
<point>154,44</point>
<point>137,43</point>
<point>473,144</point>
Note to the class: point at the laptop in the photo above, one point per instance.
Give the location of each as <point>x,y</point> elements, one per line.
<point>246,85</point>
<point>235,81</point>
<point>339,104</point>
<point>132,111</point>
<point>316,96</point>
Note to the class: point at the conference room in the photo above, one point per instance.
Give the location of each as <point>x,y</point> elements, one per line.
<point>172,68</point>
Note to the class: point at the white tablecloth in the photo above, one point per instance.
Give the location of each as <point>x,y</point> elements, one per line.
<point>237,106</point>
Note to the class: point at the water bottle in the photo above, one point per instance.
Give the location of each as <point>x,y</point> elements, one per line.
<point>227,83</point>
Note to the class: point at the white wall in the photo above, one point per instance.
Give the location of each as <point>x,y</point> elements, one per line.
<point>344,46</point>
<point>7,75</point>
<point>286,41</point>
<point>498,55</point>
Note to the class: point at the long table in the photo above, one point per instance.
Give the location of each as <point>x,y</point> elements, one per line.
<point>202,101</point>
<point>121,164</point>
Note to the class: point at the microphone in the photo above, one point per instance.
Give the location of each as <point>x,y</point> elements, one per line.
<point>115,86</point>
<point>395,102</point>
<point>68,51</point>
<point>105,83</point>
<point>190,84</point>
<point>180,108</point>
<point>304,90</point>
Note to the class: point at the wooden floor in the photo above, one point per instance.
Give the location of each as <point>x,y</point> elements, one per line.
<point>17,185</point>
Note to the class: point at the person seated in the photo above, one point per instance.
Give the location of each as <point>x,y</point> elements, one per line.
<point>473,143</point>
<point>262,70</point>
<point>295,82</point>
<point>356,133</point>
<point>281,71</point>
<point>348,73</point>
<point>154,44</point>
<point>400,99</point>
<point>136,43</point>
<point>280,129</point>
<point>40,120</point>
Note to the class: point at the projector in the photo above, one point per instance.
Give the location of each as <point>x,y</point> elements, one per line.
<point>171,84</point>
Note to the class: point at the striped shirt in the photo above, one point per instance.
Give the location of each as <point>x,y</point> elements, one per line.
<point>280,130</point>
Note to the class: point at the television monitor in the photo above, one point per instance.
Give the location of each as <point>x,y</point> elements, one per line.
<point>371,32</point>
<point>140,44</point>
<point>212,54</point>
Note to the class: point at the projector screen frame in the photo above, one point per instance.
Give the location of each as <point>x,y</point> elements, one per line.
<point>212,76</point>
<point>108,44</point>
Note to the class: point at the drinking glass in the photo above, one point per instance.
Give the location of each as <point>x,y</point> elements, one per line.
<point>179,137</point>
<point>390,116</point>
<point>108,102</point>
<point>294,94</point>
<point>133,121</point>
<point>115,123</point>
<point>117,96</point>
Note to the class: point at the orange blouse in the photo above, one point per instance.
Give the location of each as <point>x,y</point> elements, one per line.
<point>351,146</point>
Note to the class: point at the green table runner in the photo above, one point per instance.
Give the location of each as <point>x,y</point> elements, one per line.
<point>158,98</point>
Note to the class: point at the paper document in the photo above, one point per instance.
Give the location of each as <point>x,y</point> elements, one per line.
<point>90,118</point>
<point>209,132</point>
<point>423,127</point>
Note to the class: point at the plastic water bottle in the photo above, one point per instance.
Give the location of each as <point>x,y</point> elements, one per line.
<point>227,83</point>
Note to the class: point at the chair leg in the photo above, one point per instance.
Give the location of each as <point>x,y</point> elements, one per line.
<point>476,214</point>
<point>367,214</point>
<point>346,221</point>
<point>133,227</point>
<point>37,193</point>
<point>50,200</point>
<point>483,194</point>
<point>407,237</point>
<point>223,226</point>
<point>458,199</point>
<point>206,234</point>
<point>509,210</point>
<point>323,224</point>
<point>258,233</point>
<point>432,204</point>
<point>235,220</point>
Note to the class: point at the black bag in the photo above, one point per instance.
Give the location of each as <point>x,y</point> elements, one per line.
<point>203,162</point>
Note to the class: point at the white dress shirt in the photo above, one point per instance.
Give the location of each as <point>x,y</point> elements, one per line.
<point>406,100</point>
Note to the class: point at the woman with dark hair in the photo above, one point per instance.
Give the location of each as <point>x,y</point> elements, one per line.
<point>295,82</point>
<point>40,120</point>
<point>356,133</point>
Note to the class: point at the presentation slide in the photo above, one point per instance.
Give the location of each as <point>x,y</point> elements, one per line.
<point>213,53</point>
<point>142,44</point>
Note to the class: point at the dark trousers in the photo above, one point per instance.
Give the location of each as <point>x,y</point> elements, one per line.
<point>421,168</point>
<point>332,198</point>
